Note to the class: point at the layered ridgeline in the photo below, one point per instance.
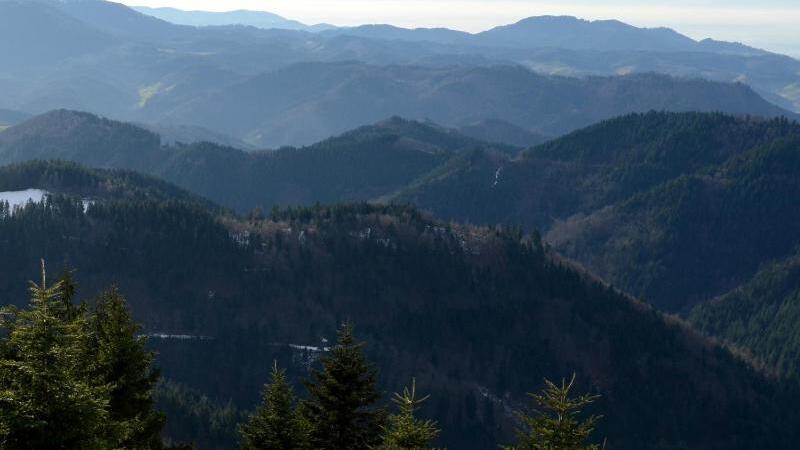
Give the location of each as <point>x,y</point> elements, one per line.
<point>258,19</point>
<point>364,164</point>
<point>654,200</point>
<point>308,102</point>
<point>676,208</point>
<point>266,86</point>
<point>478,315</point>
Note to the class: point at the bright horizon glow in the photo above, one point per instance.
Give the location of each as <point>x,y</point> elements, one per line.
<point>768,24</point>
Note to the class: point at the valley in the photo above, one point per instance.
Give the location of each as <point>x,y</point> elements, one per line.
<point>210,201</point>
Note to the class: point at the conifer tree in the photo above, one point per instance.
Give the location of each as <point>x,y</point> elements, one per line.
<point>74,378</point>
<point>46,401</point>
<point>277,423</point>
<point>405,431</point>
<point>342,398</point>
<point>557,425</point>
<point>118,357</point>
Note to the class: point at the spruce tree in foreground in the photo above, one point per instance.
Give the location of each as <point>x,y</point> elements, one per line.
<point>405,431</point>
<point>119,358</point>
<point>72,378</point>
<point>47,401</point>
<point>557,425</point>
<point>341,407</point>
<point>277,423</point>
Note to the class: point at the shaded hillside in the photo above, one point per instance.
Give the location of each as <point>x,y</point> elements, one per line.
<point>605,163</point>
<point>363,164</point>
<point>673,207</point>
<point>698,236</point>
<point>761,315</point>
<point>308,102</point>
<point>83,138</point>
<point>478,315</point>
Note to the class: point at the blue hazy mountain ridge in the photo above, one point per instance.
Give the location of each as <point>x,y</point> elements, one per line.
<point>117,19</point>
<point>33,35</point>
<point>106,58</point>
<point>564,32</point>
<point>258,19</point>
<point>307,102</point>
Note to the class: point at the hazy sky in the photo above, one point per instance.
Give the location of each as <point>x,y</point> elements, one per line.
<point>771,24</point>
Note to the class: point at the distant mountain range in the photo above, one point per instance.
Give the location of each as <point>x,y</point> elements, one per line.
<point>565,32</point>
<point>109,59</point>
<point>258,19</point>
<point>307,102</point>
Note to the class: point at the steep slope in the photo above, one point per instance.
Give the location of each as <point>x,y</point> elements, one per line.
<point>698,236</point>
<point>83,138</point>
<point>657,203</point>
<point>478,315</point>
<point>308,102</point>
<point>605,163</point>
<point>363,164</point>
<point>761,315</point>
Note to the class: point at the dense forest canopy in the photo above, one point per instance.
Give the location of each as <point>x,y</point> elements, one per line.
<point>245,291</point>
<point>273,235</point>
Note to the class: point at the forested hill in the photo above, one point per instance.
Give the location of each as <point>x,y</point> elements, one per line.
<point>479,315</point>
<point>71,179</point>
<point>654,203</point>
<point>761,315</point>
<point>363,164</point>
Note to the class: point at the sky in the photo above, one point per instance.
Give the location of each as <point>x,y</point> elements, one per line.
<point>770,24</point>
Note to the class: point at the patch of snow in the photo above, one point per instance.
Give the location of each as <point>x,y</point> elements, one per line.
<point>363,234</point>
<point>497,176</point>
<point>20,198</point>
<point>242,238</point>
<point>177,337</point>
<point>309,348</point>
